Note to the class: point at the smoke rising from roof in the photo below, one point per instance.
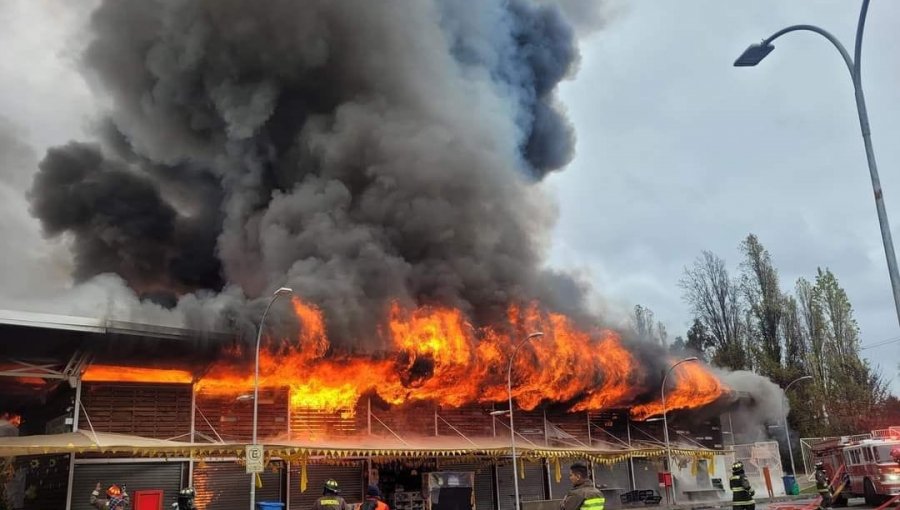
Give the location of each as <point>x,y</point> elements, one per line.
<point>359,152</point>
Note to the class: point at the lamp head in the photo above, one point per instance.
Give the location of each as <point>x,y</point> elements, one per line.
<point>753,55</point>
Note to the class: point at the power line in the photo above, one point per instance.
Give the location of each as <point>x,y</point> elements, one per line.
<point>881,343</point>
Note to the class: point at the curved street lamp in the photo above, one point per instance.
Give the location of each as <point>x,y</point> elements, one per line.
<point>666,423</point>
<point>283,291</point>
<point>787,431</point>
<point>512,429</point>
<point>756,52</point>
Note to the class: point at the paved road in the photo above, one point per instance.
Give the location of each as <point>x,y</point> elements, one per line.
<point>855,504</point>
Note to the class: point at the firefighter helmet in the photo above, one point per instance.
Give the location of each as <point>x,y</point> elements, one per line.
<point>820,466</point>
<point>114,491</point>
<point>331,485</point>
<point>737,467</point>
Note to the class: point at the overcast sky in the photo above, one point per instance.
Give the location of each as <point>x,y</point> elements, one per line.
<point>678,151</point>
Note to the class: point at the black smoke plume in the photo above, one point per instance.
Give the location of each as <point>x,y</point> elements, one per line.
<point>360,152</point>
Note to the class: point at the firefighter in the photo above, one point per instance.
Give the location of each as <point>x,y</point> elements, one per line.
<point>741,492</point>
<point>116,498</point>
<point>185,499</point>
<point>583,495</point>
<point>822,486</point>
<point>331,499</point>
<point>373,500</point>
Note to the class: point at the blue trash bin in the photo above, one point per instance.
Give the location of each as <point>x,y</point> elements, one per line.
<point>790,485</point>
<point>269,505</point>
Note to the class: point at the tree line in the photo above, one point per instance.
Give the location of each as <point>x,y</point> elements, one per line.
<point>745,321</point>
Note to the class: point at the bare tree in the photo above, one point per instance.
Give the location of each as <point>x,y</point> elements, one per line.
<point>716,302</point>
<point>642,320</point>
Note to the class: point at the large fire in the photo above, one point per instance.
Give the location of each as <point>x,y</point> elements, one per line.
<point>437,355</point>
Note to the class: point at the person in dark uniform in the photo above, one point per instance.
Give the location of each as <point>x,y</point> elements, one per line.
<point>331,499</point>
<point>583,495</point>
<point>741,492</point>
<point>116,498</point>
<point>823,487</point>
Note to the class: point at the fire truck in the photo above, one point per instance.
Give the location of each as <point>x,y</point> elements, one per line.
<point>869,469</point>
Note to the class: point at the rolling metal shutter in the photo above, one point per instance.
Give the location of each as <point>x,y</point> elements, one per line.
<point>165,476</point>
<point>614,476</point>
<point>485,498</point>
<point>349,479</point>
<point>226,485</point>
<point>531,488</point>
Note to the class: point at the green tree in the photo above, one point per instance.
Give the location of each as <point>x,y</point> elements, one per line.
<point>697,344</point>
<point>854,390</point>
<point>762,292</point>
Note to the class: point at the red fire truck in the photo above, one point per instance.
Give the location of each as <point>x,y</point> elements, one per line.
<point>871,471</point>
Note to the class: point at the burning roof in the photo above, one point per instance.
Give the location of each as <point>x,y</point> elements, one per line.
<point>436,355</point>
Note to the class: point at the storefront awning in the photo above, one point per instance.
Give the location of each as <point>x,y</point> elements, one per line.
<point>86,442</point>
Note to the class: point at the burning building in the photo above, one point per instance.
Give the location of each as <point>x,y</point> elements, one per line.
<point>354,418</point>
<point>385,161</point>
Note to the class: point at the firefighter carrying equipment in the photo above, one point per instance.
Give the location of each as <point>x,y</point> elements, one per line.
<point>823,487</point>
<point>741,492</point>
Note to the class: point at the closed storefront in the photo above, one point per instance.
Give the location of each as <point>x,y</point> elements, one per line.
<point>226,485</point>
<point>349,478</point>
<point>485,498</point>
<point>164,476</point>
<point>531,488</point>
<point>38,482</point>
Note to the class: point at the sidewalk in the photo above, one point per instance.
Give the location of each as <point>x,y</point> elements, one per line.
<point>760,503</point>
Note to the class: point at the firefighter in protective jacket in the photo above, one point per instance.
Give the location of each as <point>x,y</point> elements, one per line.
<point>741,492</point>
<point>583,495</point>
<point>823,487</point>
<point>116,498</point>
<point>331,499</point>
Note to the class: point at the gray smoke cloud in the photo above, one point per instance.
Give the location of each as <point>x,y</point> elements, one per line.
<point>359,152</point>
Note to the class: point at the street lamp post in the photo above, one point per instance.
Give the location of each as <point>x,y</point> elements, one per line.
<point>787,432</point>
<point>512,428</point>
<point>666,422</point>
<point>283,291</point>
<point>756,52</point>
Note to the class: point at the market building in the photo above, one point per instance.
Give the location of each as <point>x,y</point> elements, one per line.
<point>111,402</point>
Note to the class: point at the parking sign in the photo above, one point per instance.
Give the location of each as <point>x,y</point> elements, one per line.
<point>255,462</point>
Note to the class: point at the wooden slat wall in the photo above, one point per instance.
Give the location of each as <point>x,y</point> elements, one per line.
<point>529,424</point>
<point>415,419</point>
<point>575,424</point>
<point>472,420</point>
<point>150,410</point>
<point>233,418</point>
<point>308,423</point>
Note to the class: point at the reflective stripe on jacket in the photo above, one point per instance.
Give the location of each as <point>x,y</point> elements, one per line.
<point>594,503</point>
<point>822,485</point>
<point>584,496</point>
<point>741,492</point>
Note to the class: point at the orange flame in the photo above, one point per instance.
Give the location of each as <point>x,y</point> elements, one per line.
<point>110,373</point>
<point>695,386</point>
<point>436,355</point>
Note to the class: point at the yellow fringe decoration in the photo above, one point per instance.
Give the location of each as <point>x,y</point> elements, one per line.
<point>304,479</point>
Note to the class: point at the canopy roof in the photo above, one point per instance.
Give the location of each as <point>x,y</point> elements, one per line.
<point>83,442</point>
